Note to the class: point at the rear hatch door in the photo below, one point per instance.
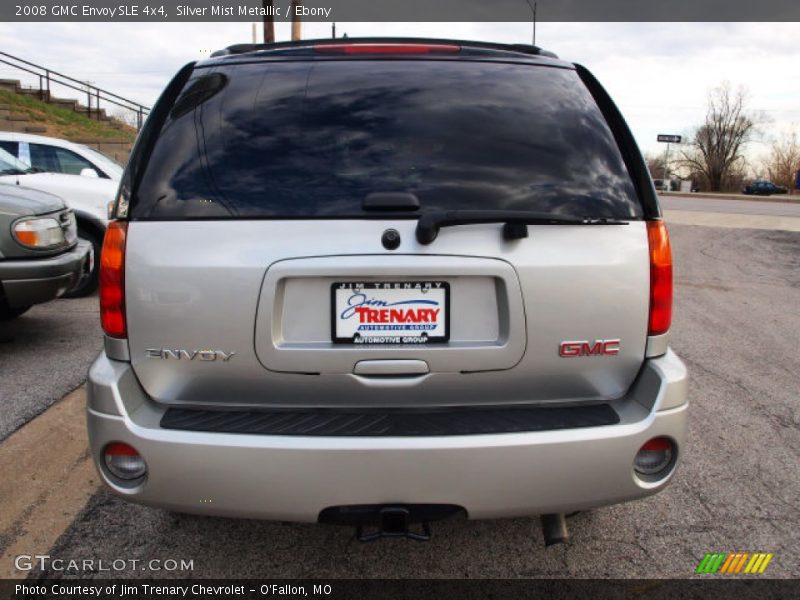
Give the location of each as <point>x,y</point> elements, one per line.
<point>256,273</point>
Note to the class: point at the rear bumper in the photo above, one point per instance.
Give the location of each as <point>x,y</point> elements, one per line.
<point>28,282</point>
<point>295,477</point>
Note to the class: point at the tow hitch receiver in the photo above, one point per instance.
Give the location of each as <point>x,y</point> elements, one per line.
<point>394,522</point>
<point>373,522</point>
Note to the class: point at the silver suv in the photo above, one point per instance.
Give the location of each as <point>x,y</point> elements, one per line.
<point>376,282</point>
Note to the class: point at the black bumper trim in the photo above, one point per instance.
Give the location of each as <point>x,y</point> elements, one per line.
<point>390,423</point>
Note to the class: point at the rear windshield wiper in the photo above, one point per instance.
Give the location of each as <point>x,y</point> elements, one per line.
<point>516,221</point>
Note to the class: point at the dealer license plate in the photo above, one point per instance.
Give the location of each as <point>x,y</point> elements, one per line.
<point>390,312</point>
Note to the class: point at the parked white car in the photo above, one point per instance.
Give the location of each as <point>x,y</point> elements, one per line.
<point>88,197</point>
<point>59,156</point>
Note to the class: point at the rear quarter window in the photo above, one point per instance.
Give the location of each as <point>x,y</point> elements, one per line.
<point>310,139</point>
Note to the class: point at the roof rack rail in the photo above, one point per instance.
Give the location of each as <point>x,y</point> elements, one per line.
<point>236,49</point>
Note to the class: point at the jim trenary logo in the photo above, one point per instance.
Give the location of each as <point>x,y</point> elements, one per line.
<point>381,314</point>
<point>725,563</point>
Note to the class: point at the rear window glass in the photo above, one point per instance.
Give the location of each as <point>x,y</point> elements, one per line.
<point>314,138</point>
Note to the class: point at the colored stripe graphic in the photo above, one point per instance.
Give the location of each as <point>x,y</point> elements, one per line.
<point>734,563</point>
<point>755,562</point>
<point>740,563</point>
<point>727,564</point>
<point>701,568</point>
<point>711,562</point>
<point>767,558</point>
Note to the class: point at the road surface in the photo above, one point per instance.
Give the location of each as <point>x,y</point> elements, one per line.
<point>738,207</point>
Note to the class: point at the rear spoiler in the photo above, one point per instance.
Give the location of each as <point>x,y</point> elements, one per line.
<point>237,49</point>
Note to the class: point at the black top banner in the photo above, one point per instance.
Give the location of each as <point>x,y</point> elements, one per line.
<point>401,10</point>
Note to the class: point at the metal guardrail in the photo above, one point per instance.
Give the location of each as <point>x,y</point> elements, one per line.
<point>48,77</point>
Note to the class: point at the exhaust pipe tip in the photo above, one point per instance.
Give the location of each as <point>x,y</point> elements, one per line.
<point>554,529</point>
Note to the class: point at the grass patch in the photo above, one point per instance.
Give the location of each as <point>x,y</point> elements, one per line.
<point>63,122</point>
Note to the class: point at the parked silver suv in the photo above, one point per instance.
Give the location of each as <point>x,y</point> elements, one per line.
<point>377,282</point>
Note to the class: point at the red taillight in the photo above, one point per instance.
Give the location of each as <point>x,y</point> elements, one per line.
<point>112,280</point>
<point>660,278</point>
<point>387,48</point>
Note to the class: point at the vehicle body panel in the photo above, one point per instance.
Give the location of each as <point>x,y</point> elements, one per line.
<point>575,283</point>
<point>83,194</point>
<point>19,201</point>
<point>503,475</point>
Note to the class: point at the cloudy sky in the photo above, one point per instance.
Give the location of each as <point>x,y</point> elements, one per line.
<point>658,73</point>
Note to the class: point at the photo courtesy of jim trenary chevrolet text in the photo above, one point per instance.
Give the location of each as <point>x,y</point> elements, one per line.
<point>381,298</point>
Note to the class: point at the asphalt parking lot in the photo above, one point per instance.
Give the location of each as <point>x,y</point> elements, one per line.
<point>44,355</point>
<point>736,324</point>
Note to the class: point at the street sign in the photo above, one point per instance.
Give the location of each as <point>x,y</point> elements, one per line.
<point>670,139</point>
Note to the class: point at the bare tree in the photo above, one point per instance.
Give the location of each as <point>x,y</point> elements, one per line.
<point>716,151</point>
<point>783,159</point>
<point>655,165</point>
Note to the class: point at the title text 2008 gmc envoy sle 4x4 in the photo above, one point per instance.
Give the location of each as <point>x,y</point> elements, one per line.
<point>377,282</point>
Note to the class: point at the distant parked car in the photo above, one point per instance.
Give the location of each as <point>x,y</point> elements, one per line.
<point>761,187</point>
<point>54,155</point>
<point>40,255</point>
<point>662,185</point>
<point>88,197</point>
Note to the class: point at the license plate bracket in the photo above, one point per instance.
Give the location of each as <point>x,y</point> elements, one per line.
<point>395,313</point>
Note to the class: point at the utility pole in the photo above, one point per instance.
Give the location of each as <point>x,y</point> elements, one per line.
<point>533,10</point>
<point>269,22</point>
<point>297,25</point>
